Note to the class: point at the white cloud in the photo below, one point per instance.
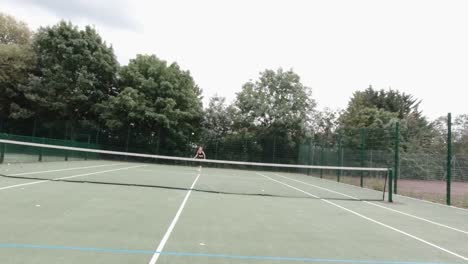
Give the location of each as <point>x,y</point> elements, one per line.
<point>112,13</point>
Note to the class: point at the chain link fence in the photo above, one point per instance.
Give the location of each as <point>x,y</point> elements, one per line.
<point>427,164</point>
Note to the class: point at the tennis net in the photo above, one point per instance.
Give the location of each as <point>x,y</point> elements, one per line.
<point>37,161</point>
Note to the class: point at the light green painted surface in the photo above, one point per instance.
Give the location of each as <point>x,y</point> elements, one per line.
<point>124,217</point>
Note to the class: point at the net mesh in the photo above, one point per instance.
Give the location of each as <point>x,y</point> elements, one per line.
<point>40,161</point>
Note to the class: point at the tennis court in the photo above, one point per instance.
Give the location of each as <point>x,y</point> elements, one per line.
<point>105,210</point>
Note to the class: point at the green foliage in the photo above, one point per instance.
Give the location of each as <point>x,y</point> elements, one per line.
<point>381,109</point>
<point>372,108</point>
<point>13,31</point>
<point>218,118</point>
<point>277,110</point>
<point>324,125</point>
<point>459,134</point>
<point>278,103</point>
<point>389,100</point>
<point>16,62</point>
<point>75,70</point>
<point>266,122</point>
<point>369,118</point>
<point>127,107</point>
<point>158,99</point>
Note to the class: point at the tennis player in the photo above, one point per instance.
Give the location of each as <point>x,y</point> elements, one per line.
<point>200,154</point>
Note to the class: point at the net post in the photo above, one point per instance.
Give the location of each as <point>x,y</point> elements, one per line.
<point>2,152</point>
<point>397,156</point>
<point>449,157</point>
<point>2,145</point>
<point>390,185</point>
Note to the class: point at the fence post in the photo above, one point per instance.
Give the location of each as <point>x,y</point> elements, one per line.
<point>88,146</point>
<point>321,159</point>
<point>40,150</point>
<point>397,157</point>
<point>127,141</point>
<point>97,135</point>
<point>34,127</point>
<point>216,148</point>
<point>158,142</point>
<point>309,152</point>
<point>362,155</point>
<point>274,149</point>
<point>340,157</point>
<point>449,157</point>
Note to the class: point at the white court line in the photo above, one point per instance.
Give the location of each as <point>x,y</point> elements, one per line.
<point>23,184</point>
<point>378,205</point>
<point>69,177</point>
<point>173,223</point>
<point>232,175</point>
<point>425,201</point>
<point>170,172</point>
<point>370,219</point>
<point>99,172</point>
<point>404,196</point>
<point>67,169</point>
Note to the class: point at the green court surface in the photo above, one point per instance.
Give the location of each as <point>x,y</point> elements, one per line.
<point>308,220</point>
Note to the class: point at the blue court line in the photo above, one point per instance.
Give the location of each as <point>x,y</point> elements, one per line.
<point>222,256</point>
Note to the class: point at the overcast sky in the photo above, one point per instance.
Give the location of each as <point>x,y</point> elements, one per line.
<point>336,46</point>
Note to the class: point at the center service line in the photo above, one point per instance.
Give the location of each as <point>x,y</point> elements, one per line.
<point>173,223</point>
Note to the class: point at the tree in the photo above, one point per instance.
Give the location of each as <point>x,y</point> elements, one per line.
<point>13,31</point>
<point>16,62</point>
<point>460,128</point>
<point>220,137</point>
<point>278,102</point>
<point>369,117</point>
<point>160,100</point>
<point>75,71</point>
<point>127,107</point>
<point>389,100</point>
<point>372,109</point>
<point>217,121</point>
<point>459,134</point>
<point>277,108</point>
<point>324,124</point>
